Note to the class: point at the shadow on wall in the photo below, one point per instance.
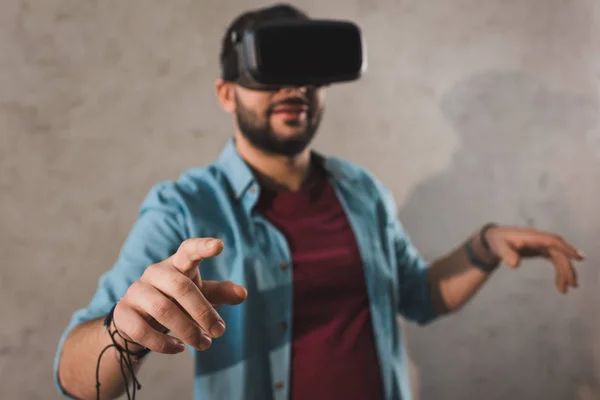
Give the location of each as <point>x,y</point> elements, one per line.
<point>527,156</point>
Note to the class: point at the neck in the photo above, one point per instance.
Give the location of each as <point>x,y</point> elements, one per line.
<point>288,172</point>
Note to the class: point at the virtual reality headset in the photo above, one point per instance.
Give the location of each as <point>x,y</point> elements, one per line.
<point>296,53</point>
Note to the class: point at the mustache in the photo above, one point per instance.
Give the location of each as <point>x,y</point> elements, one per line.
<point>291,101</point>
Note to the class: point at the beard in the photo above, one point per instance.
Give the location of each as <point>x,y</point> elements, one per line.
<point>261,135</point>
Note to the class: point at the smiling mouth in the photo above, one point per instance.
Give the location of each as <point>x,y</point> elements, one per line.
<point>291,112</point>
<point>290,109</point>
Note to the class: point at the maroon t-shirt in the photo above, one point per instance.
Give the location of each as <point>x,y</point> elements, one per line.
<point>333,349</point>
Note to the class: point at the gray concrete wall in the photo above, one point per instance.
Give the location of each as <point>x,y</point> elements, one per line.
<point>471,111</point>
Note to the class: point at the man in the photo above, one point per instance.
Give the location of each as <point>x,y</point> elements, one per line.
<point>283,269</point>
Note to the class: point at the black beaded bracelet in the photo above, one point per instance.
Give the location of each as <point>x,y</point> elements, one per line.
<point>472,256</point>
<point>476,261</point>
<point>482,233</point>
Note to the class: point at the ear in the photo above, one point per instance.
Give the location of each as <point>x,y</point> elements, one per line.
<point>225,92</point>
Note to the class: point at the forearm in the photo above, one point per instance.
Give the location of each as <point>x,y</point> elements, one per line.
<point>79,359</point>
<point>454,280</point>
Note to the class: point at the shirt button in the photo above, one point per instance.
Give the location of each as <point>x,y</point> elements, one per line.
<point>279,385</point>
<point>253,189</point>
<point>283,325</point>
<point>284,265</point>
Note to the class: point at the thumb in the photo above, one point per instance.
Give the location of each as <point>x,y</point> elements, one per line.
<point>508,254</point>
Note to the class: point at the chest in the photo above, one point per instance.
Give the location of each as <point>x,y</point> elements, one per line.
<point>339,241</point>
<point>323,247</point>
<point>324,252</point>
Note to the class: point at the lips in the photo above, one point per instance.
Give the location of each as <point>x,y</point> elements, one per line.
<point>290,109</point>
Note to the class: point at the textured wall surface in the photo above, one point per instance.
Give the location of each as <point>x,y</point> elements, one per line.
<point>471,111</point>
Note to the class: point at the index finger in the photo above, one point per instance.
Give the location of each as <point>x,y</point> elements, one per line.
<point>192,251</point>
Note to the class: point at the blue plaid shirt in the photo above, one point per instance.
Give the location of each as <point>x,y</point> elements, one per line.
<point>252,359</point>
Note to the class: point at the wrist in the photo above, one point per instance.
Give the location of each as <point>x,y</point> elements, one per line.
<point>122,342</point>
<point>479,251</point>
<point>482,238</point>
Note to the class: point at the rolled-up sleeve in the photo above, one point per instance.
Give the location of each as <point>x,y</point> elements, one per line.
<point>156,235</point>
<point>415,302</point>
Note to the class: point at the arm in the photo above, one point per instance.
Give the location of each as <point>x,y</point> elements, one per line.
<point>169,297</point>
<point>429,290</point>
<point>155,283</point>
<point>156,235</point>
<point>77,367</point>
<point>455,278</point>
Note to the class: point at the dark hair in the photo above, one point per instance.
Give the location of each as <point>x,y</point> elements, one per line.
<point>277,12</point>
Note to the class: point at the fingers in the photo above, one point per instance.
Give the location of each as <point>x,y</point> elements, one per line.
<point>131,325</point>
<point>218,293</point>
<point>151,302</point>
<point>169,295</point>
<point>566,274</point>
<point>192,251</point>
<point>542,240</point>
<point>185,292</point>
<point>559,243</point>
<point>560,252</point>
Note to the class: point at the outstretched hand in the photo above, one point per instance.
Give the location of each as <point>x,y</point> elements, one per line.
<point>512,244</point>
<point>171,296</point>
